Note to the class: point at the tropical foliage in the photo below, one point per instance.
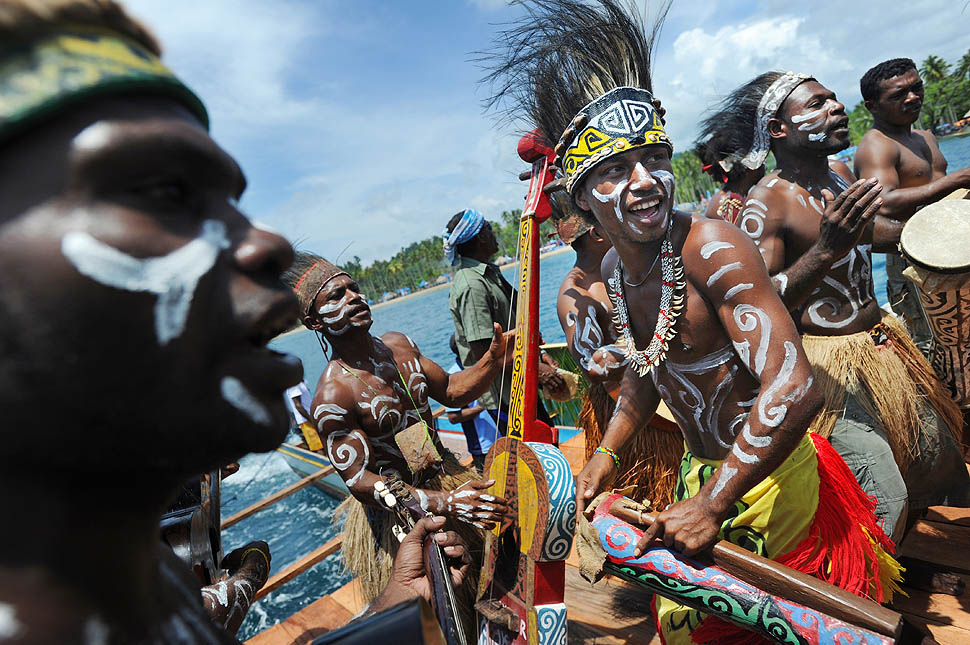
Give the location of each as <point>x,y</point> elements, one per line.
<point>421,263</point>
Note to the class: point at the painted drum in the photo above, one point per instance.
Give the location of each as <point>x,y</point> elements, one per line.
<point>936,243</point>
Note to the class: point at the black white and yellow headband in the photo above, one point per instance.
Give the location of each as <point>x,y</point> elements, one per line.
<point>622,119</point>
<point>43,77</point>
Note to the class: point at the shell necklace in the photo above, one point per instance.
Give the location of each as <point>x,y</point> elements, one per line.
<point>673,287</point>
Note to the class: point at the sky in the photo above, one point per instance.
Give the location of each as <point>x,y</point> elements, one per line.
<point>359,123</point>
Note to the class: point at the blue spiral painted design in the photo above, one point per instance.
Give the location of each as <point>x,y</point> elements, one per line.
<point>562,501</point>
<point>551,623</point>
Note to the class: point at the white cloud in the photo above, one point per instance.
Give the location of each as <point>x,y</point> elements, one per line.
<point>710,54</point>
<point>354,129</point>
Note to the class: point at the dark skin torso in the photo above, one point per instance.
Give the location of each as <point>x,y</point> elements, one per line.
<point>843,302</point>
<point>376,400</point>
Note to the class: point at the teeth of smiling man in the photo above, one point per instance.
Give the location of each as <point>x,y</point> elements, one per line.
<point>644,206</point>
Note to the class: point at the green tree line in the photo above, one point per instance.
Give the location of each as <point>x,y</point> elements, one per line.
<point>425,261</point>
<point>946,97</point>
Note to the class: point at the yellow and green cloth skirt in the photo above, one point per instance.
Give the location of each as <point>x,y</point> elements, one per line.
<point>810,515</point>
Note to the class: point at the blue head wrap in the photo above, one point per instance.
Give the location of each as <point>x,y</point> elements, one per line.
<point>468,226</point>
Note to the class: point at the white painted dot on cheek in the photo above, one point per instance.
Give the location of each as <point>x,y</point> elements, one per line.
<point>10,627</point>
<point>236,394</point>
<point>96,135</point>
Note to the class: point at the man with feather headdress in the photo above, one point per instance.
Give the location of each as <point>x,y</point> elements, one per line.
<point>701,324</point>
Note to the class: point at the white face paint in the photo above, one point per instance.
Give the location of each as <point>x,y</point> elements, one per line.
<point>93,137</point>
<point>711,248</point>
<point>173,277</point>
<point>727,268</point>
<point>613,198</point>
<point>801,118</point>
<point>817,136</point>
<point>236,394</point>
<point>10,627</point>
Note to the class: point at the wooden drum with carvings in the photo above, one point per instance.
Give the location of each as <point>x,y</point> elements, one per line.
<point>936,243</point>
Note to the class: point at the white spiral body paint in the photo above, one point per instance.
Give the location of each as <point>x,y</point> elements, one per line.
<point>711,248</point>
<point>772,417</point>
<point>236,394</point>
<point>689,404</point>
<point>345,455</point>
<point>736,289</point>
<point>727,268</point>
<point>588,343</point>
<point>172,278</point>
<point>807,116</point>
<point>755,213</point>
<point>723,477</point>
<point>613,198</point>
<point>328,412</point>
<point>747,318</point>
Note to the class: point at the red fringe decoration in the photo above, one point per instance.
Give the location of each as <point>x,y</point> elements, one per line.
<point>836,550</point>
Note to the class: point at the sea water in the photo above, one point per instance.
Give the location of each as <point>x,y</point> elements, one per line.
<point>304,521</point>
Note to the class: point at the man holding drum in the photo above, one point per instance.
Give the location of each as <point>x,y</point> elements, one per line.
<point>909,166</point>
<point>885,411</point>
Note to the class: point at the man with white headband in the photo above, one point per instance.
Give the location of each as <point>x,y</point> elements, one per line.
<point>815,226</point>
<point>480,297</point>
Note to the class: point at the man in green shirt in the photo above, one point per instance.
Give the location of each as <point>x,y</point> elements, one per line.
<point>481,296</point>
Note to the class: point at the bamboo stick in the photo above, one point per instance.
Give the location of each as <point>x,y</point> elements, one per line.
<point>275,497</point>
<point>278,580</point>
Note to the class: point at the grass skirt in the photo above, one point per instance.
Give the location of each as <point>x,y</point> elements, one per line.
<point>649,462</point>
<point>894,377</point>
<point>369,546</point>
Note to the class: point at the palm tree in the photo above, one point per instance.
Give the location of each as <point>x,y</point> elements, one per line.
<point>963,67</point>
<point>934,69</point>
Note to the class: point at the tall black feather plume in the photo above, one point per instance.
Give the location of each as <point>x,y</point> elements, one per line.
<point>544,67</point>
<point>728,130</point>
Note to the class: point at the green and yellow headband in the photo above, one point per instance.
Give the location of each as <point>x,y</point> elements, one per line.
<point>41,78</point>
<point>622,119</point>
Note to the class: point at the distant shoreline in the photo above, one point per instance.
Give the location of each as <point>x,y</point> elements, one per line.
<point>438,287</point>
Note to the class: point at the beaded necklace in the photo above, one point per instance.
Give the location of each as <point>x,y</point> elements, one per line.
<point>673,287</point>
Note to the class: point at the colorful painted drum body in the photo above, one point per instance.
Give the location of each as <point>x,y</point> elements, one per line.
<point>936,242</point>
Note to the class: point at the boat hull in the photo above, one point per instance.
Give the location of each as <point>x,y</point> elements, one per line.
<point>304,463</point>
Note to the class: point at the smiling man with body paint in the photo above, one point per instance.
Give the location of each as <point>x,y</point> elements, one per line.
<point>699,319</point>
<point>133,289</point>
<point>371,407</point>
<point>885,411</point>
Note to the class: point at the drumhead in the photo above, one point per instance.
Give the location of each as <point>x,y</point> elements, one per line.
<point>938,237</point>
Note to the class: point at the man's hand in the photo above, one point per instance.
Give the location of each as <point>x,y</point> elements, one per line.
<point>687,527</point>
<point>846,217</point>
<point>471,503</point>
<point>254,557</point>
<point>597,476</point>
<point>550,379</point>
<point>409,577</point>
<point>500,350</point>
